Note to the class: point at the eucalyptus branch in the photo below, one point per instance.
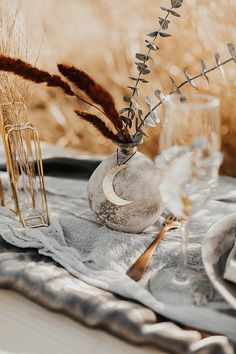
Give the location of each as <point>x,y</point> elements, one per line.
<point>206,72</point>
<point>151,46</point>
<point>142,66</point>
<point>190,80</point>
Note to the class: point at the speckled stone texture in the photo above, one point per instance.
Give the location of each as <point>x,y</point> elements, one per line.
<point>138,183</point>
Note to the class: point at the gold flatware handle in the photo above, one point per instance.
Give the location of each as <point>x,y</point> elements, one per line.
<point>137,270</point>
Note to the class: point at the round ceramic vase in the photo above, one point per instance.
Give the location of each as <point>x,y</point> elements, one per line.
<point>135,184</point>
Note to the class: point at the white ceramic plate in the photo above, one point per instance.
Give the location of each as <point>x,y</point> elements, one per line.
<point>216,248</point>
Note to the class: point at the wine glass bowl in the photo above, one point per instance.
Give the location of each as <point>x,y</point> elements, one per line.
<point>183,121</point>
<point>189,161</point>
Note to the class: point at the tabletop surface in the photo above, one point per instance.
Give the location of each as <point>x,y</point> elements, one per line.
<point>27,328</point>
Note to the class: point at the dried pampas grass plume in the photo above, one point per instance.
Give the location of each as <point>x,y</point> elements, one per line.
<point>28,72</point>
<point>96,92</point>
<point>99,125</point>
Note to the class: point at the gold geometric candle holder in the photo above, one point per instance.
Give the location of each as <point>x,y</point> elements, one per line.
<point>24,165</point>
<point>2,196</point>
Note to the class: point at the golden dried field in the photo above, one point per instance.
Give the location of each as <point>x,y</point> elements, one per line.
<point>101,37</point>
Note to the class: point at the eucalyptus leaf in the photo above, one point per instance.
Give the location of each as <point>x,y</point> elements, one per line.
<point>138,79</point>
<point>172,12</point>
<point>134,103</point>
<point>134,89</point>
<point>127,121</point>
<point>164,34</point>
<point>231,49</point>
<point>149,122</point>
<point>204,69</point>
<point>153,34</point>
<point>140,114</point>
<point>177,90</point>
<point>126,99</point>
<point>142,65</point>
<point>188,77</point>
<point>149,42</point>
<point>176,3</point>
<point>142,57</point>
<point>164,23</point>
<point>218,63</point>
<point>173,82</point>
<point>148,100</point>
<point>129,110</point>
<point>159,95</point>
<point>136,137</point>
<point>143,80</point>
<point>144,71</point>
<point>165,9</point>
<point>133,78</point>
<point>151,45</point>
<point>155,117</point>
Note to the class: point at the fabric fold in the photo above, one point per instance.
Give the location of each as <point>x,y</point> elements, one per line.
<point>100,256</point>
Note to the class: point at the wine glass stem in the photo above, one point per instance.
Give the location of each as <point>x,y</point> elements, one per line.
<point>181,274</point>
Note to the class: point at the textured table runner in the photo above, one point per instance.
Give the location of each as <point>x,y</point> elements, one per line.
<point>93,253</point>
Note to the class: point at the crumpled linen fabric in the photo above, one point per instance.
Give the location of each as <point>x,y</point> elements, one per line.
<point>100,256</point>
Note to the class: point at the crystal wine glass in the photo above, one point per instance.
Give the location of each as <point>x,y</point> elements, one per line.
<point>189,161</point>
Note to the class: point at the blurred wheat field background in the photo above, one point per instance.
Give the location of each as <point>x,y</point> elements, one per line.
<point>101,37</point>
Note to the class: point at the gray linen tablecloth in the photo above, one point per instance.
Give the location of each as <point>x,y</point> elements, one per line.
<point>100,256</point>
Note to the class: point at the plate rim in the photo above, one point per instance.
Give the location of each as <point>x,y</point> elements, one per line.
<point>209,266</point>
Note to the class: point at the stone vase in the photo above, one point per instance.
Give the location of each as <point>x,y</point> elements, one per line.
<point>126,198</point>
